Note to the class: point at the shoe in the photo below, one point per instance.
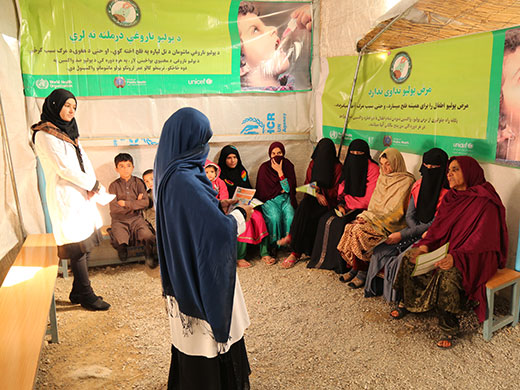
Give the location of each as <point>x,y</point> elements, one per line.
<point>74,299</point>
<point>98,304</point>
<point>447,342</point>
<point>348,276</point>
<point>399,312</point>
<point>268,260</point>
<point>151,262</point>
<point>284,241</point>
<point>122,252</point>
<point>242,263</point>
<point>290,261</point>
<point>356,283</point>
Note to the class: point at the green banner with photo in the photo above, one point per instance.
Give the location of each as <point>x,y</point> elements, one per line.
<point>444,94</point>
<point>154,47</point>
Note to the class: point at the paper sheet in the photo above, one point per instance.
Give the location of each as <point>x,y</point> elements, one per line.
<point>308,188</point>
<point>426,262</point>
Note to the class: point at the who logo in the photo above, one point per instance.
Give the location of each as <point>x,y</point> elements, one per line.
<point>42,84</point>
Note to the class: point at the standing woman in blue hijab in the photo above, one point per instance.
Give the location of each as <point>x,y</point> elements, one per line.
<point>196,244</point>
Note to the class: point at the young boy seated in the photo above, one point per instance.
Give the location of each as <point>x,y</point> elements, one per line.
<point>149,212</point>
<point>128,225</point>
<point>261,64</point>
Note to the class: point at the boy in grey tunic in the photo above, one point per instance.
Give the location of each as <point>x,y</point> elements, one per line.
<point>128,225</point>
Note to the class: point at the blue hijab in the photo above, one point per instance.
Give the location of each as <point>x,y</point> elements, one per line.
<point>196,241</point>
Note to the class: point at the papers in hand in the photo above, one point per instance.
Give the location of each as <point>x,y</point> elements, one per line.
<point>426,262</point>
<point>256,202</point>
<point>245,196</point>
<point>310,188</point>
<point>103,198</point>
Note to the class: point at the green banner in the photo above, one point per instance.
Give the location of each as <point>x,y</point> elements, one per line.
<point>153,47</point>
<point>444,94</point>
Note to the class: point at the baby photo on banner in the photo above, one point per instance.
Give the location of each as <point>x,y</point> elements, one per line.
<point>275,45</point>
<point>508,136</point>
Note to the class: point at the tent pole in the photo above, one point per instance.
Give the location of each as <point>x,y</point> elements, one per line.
<point>361,53</point>
<point>360,57</point>
<point>5,141</point>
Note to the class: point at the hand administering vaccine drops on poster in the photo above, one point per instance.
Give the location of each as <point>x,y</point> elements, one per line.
<point>291,44</point>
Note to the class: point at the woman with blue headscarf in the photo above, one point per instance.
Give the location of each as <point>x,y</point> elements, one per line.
<point>196,244</point>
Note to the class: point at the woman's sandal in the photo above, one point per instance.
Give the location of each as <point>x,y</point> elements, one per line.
<point>284,241</point>
<point>242,263</point>
<point>356,283</point>
<point>289,262</point>
<point>347,277</point>
<point>399,312</point>
<point>268,260</point>
<point>446,342</point>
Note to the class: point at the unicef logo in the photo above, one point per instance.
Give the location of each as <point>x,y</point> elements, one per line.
<point>209,81</point>
<point>252,126</point>
<point>401,67</point>
<point>42,84</point>
<point>124,13</point>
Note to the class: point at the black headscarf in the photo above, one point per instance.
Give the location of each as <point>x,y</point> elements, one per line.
<point>51,112</point>
<point>355,168</point>
<point>324,157</point>
<point>432,182</point>
<point>233,177</point>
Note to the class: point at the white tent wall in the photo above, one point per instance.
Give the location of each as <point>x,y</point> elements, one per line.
<point>24,163</point>
<point>10,221</point>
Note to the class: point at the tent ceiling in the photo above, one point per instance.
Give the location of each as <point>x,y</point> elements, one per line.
<point>432,20</point>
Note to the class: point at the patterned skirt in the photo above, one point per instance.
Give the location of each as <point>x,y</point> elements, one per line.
<point>438,289</point>
<point>358,240</point>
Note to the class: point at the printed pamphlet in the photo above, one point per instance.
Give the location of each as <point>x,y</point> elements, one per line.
<point>245,196</point>
<point>426,262</point>
<point>310,188</point>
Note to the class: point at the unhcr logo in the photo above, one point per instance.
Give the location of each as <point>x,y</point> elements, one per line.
<point>252,126</point>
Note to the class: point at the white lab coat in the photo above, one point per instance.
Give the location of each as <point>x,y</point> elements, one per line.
<point>74,218</point>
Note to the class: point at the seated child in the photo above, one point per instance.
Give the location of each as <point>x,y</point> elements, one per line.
<point>128,224</point>
<point>262,66</point>
<point>213,174</point>
<point>149,212</point>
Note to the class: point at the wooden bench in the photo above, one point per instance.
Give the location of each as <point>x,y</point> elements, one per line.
<point>503,278</point>
<point>25,298</point>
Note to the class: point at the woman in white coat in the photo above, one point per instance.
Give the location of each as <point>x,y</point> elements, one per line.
<point>70,185</point>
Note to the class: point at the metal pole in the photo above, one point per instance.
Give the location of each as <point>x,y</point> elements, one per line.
<point>7,150</point>
<point>360,56</point>
<point>361,53</point>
